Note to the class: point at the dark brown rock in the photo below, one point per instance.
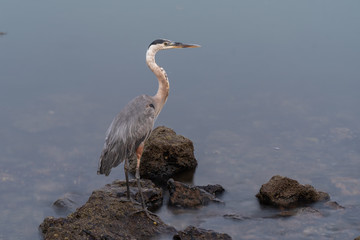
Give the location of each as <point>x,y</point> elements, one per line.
<point>106,216</point>
<point>216,189</point>
<point>183,195</point>
<point>153,196</point>
<point>286,192</point>
<point>165,155</point>
<point>191,233</point>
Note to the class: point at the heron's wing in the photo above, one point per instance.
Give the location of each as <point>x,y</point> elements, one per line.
<point>128,130</point>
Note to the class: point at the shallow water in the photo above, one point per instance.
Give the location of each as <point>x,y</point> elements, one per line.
<point>273,90</point>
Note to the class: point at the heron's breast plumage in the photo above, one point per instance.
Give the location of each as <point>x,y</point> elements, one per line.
<point>127,131</point>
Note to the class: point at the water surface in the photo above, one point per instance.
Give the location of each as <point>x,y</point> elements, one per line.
<point>273,90</point>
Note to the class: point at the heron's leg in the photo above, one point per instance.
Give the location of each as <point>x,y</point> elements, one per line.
<point>126,169</point>
<point>139,152</point>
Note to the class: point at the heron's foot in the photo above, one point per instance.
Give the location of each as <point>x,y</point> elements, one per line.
<point>129,199</point>
<point>133,201</point>
<point>148,214</point>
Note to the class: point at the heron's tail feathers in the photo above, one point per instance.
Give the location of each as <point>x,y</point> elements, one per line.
<point>103,169</point>
<point>106,162</point>
<point>110,157</point>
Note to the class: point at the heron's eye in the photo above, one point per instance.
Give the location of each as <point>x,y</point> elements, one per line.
<point>166,43</point>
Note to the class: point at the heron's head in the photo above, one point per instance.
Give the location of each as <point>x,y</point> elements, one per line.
<point>161,44</point>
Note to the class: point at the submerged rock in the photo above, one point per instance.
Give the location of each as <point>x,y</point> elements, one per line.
<point>285,192</point>
<point>107,216</point>
<point>333,205</point>
<point>68,203</point>
<point>191,233</point>
<point>309,211</point>
<point>305,211</point>
<point>237,217</point>
<point>216,189</point>
<point>165,155</point>
<point>183,195</point>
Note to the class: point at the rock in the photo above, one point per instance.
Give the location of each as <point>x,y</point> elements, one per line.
<point>183,195</point>
<point>309,211</point>
<point>358,238</point>
<point>304,211</point>
<point>191,233</point>
<point>165,155</point>
<point>216,189</point>
<point>236,217</point>
<point>106,216</point>
<point>68,203</point>
<point>284,214</point>
<point>285,192</point>
<point>333,205</point>
<point>153,196</point>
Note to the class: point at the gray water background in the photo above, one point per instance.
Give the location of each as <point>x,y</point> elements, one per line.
<point>274,89</point>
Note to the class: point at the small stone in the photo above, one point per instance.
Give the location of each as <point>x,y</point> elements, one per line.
<point>183,195</point>
<point>309,211</point>
<point>68,203</point>
<point>333,205</point>
<point>216,189</point>
<point>192,232</point>
<point>285,192</point>
<point>236,217</point>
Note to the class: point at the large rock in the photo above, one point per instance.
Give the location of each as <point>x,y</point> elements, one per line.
<point>165,155</point>
<point>153,195</point>
<point>191,233</point>
<point>183,195</point>
<point>285,192</point>
<point>109,215</point>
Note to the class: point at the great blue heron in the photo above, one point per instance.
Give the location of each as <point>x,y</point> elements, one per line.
<point>130,129</point>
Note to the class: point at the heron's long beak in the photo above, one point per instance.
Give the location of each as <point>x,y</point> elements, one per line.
<point>182,45</point>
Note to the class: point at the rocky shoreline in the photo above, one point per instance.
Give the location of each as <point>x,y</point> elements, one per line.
<point>108,214</point>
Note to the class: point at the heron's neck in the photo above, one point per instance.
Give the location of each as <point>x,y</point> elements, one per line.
<point>163,90</point>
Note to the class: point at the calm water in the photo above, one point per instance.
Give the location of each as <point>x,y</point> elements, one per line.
<point>273,90</point>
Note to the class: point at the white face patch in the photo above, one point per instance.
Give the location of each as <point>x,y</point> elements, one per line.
<point>155,48</point>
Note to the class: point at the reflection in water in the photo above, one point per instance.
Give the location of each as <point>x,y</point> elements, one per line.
<point>274,91</point>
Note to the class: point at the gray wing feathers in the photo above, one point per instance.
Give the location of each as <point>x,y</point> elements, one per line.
<point>127,131</point>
